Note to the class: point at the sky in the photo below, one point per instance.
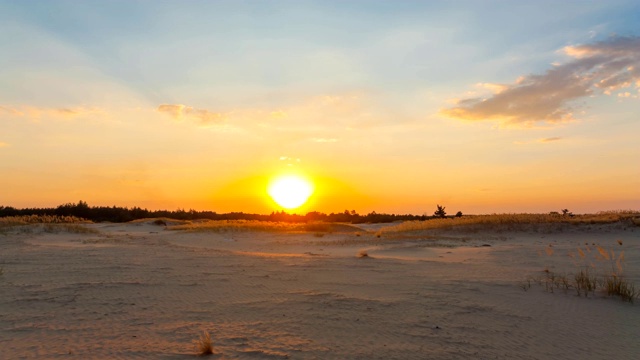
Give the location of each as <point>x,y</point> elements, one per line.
<point>387,106</point>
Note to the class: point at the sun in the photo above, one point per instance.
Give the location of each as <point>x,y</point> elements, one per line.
<point>290,191</point>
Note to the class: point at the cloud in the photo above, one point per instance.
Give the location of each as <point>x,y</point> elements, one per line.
<point>320,117</point>
<point>550,139</point>
<point>180,112</point>
<point>542,141</point>
<point>602,67</point>
<point>495,88</point>
<point>37,113</point>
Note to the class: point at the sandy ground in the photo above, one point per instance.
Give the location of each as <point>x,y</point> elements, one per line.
<point>140,291</point>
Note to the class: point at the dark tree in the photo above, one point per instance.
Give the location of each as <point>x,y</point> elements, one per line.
<point>440,212</point>
<point>459,214</point>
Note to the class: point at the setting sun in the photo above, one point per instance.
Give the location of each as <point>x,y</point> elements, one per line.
<point>290,191</point>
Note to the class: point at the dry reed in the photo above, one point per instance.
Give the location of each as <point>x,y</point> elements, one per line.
<point>204,344</point>
<point>600,269</point>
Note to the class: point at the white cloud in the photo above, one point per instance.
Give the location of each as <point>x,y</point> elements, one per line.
<point>602,67</point>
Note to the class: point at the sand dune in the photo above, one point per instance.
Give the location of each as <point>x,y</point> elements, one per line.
<point>139,291</point>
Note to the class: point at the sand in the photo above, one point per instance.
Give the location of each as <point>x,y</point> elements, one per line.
<point>140,291</point>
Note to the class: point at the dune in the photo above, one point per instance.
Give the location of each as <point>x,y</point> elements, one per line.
<point>144,290</point>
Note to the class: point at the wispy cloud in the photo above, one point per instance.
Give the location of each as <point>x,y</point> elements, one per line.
<point>602,67</point>
<point>181,112</point>
<point>550,139</point>
<point>308,118</point>
<point>36,113</point>
<point>539,141</point>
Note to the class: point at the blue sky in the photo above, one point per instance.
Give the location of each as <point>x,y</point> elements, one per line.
<point>358,90</point>
<point>160,48</point>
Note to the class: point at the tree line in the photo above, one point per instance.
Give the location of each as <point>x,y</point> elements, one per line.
<point>125,214</point>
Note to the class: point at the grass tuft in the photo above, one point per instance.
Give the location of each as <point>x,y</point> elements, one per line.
<point>618,286</point>
<point>363,254</point>
<point>204,344</point>
<point>585,282</point>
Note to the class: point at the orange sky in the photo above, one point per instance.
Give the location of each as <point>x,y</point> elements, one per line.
<point>199,105</point>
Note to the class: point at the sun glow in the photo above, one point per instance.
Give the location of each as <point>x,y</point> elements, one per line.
<point>290,191</point>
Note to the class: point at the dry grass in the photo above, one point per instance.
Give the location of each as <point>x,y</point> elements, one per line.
<point>236,226</point>
<point>68,228</point>
<point>599,269</point>
<point>46,223</point>
<point>510,221</point>
<point>204,344</point>
<point>40,219</point>
<point>267,226</point>
<point>585,282</point>
<point>617,286</point>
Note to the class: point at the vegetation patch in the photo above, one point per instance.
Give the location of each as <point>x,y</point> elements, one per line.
<point>47,223</point>
<point>512,222</point>
<point>599,270</point>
